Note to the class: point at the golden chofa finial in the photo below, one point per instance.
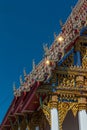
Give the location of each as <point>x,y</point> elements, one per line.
<point>46,50</point>
<point>21,81</point>
<point>14,87</point>
<point>61,23</point>
<point>24,71</point>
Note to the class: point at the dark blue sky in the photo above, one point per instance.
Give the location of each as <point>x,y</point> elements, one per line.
<point>24,26</point>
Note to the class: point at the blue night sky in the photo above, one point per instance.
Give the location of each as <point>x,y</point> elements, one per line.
<point>24,26</point>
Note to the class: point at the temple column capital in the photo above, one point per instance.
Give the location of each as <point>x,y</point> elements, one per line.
<point>82,103</point>
<point>53,102</point>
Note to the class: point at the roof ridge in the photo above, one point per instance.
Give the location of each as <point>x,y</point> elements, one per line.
<point>70,31</point>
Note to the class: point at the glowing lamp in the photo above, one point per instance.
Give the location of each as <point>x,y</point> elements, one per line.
<point>47,62</point>
<point>60,39</point>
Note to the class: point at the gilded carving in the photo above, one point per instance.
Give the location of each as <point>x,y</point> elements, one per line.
<point>75,109</point>
<point>63,109</point>
<point>85,84</point>
<point>71,91</point>
<point>66,81</point>
<point>79,81</point>
<point>46,111</point>
<point>82,102</point>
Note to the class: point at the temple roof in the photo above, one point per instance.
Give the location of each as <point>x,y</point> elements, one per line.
<point>57,51</point>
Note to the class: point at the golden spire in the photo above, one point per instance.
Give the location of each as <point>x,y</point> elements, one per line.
<point>24,71</point>
<point>46,50</point>
<point>14,87</point>
<point>21,81</point>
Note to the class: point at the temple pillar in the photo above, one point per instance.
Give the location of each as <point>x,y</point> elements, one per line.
<point>54,113</point>
<point>82,119</point>
<point>82,114</point>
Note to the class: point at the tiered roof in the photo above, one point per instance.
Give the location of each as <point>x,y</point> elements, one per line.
<point>69,32</point>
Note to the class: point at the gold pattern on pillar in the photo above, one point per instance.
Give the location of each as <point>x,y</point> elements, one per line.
<point>63,109</point>
<point>46,111</point>
<point>82,103</point>
<point>53,103</point>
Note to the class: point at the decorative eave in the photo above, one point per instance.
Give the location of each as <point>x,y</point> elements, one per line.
<point>73,70</point>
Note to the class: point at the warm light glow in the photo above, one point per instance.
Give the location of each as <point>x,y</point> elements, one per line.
<point>60,39</point>
<point>47,62</point>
